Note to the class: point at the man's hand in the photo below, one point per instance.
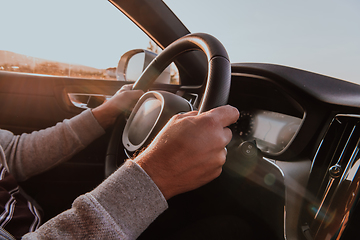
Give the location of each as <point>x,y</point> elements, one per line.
<point>189,151</point>
<point>122,102</point>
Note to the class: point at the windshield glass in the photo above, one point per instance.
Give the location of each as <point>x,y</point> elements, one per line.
<point>318,36</point>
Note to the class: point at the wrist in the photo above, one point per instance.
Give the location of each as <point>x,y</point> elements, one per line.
<point>155,176</point>
<point>105,119</point>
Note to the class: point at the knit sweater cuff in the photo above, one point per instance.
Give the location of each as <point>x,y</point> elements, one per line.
<point>132,199</point>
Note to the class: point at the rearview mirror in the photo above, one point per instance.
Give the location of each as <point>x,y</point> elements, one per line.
<point>134,62</point>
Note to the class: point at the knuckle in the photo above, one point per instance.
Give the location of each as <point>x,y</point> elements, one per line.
<point>209,121</point>
<point>176,117</point>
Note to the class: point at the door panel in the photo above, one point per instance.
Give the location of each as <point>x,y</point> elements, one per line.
<point>31,102</point>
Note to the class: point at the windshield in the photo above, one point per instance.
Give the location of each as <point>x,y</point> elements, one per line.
<point>318,36</point>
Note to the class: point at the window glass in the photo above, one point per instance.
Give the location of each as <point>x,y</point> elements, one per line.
<point>75,38</point>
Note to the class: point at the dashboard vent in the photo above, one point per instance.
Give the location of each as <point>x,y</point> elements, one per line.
<point>327,202</point>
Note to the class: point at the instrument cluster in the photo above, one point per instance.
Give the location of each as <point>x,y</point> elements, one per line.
<point>272,132</point>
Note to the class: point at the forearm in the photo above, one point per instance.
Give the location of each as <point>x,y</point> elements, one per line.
<point>30,154</point>
<point>122,207</point>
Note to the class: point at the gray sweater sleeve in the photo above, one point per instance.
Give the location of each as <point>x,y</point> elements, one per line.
<point>121,207</point>
<point>31,154</point>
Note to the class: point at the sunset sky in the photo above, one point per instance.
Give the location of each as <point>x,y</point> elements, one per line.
<point>320,36</point>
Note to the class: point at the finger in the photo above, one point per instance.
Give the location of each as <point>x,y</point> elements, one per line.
<point>227,135</point>
<point>130,93</point>
<point>223,139</point>
<point>126,87</point>
<point>221,157</point>
<point>137,93</point>
<point>187,114</point>
<point>225,115</point>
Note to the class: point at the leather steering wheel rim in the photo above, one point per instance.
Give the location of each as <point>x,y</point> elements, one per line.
<point>219,68</point>
<point>217,85</point>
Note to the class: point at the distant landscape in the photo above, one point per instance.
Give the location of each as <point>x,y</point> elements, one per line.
<point>10,61</point>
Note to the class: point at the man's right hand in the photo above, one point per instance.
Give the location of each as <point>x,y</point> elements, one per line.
<point>189,151</point>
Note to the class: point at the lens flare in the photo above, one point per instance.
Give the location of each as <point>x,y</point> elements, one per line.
<point>322,214</point>
<point>269,179</point>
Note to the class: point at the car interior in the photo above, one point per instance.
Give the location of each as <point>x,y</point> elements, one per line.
<point>291,169</point>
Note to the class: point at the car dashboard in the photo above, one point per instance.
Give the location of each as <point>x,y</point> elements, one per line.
<point>306,129</point>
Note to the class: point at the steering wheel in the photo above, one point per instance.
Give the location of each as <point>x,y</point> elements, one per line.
<point>215,93</point>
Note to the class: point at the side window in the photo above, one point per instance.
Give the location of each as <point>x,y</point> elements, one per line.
<point>83,39</point>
